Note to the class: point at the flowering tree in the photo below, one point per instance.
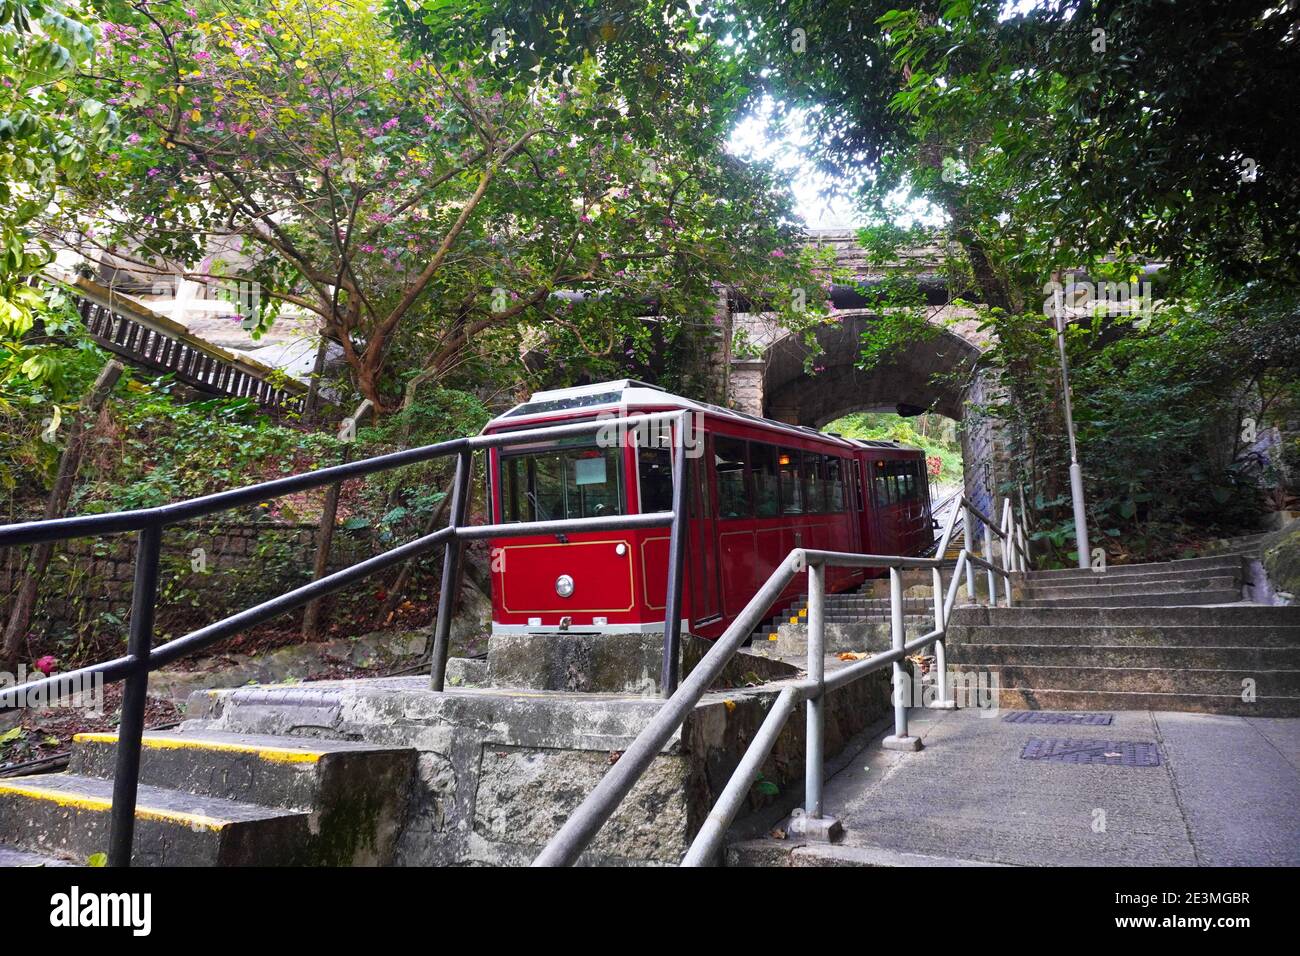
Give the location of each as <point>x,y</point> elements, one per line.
<point>418,207</point>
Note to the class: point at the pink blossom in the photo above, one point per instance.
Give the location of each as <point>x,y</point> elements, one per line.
<point>778,254</point>
<point>46,664</point>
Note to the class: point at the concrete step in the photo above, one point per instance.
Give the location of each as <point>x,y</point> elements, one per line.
<point>1090,578</point>
<point>1129,656</point>
<point>68,815</point>
<point>1027,698</point>
<point>1229,562</point>
<point>1144,680</point>
<point>1234,615</point>
<point>1186,635</point>
<point>356,791</point>
<point>1141,599</point>
<point>290,772</point>
<point>853,617</point>
<point>1039,592</point>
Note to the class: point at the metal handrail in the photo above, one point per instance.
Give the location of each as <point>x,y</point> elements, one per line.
<point>582,826</point>
<point>148,523</point>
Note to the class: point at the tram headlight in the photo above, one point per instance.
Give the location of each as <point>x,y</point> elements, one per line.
<point>564,586</point>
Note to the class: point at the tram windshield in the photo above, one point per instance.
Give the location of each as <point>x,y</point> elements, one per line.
<point>562,483</point>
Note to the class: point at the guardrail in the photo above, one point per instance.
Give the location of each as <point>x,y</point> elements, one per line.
<point>574,836</point>
<point>142,657</point>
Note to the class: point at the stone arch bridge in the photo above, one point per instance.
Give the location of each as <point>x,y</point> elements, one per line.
<point>940,373</point>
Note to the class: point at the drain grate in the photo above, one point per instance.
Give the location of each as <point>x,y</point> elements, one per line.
<point>1111,753</point>
<point>1046,717</point>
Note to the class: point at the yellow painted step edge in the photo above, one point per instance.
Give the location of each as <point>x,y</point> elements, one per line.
<point>102,804</point>
<point>273,754</point>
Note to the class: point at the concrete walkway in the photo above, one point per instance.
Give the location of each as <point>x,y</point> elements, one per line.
<point>1226,792</point>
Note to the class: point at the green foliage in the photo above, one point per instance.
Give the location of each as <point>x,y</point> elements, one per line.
<point>49,134</point>
<point>1159,404</point>
<point>933,434</point>
<point>161,450</point>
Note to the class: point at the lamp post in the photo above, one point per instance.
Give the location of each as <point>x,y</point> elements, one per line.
<point>1076,473</point>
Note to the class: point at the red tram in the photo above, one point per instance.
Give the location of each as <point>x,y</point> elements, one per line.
<point>756,489</point>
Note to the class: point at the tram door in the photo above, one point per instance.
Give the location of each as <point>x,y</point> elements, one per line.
<point>702,541</point>
<point>887,507</point>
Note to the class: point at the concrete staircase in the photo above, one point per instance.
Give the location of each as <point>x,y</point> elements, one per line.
<point>1173,636</point>
<point>848,607</point>
<point>216,799</point>
<point>1210,580</point>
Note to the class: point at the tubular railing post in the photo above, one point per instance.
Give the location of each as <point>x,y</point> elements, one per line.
<point>898,740</point>
<point>1023,525</point>
<point>940,653</point>
<point>130,730</point>
<point>969,532</point>
<point>988,556</point>
<point>813,824</point>
<point>668,673</point>
<point>816,672</point>
<point>450,565</point>
<point>1006,541</point>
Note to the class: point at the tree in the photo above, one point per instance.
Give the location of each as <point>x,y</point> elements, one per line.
<point>418,206</point>
<point>49,134</point>
<point>1078,135</point>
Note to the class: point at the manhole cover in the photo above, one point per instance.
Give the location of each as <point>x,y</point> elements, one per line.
<point>1121,753</point>
<point>1046,717</point>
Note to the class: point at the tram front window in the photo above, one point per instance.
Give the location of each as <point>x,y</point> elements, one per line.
<point>566,483</point>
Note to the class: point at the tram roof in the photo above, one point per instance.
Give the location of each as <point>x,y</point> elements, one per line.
<point>626,393</point>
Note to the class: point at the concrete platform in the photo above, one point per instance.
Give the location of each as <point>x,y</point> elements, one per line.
<point>1226,793</point>
<point>499,770</point>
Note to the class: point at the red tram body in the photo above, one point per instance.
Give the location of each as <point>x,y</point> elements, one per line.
<point>756,489</point>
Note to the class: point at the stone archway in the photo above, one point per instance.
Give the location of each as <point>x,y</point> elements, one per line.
<point>939,373</point>
<point>929,375</point>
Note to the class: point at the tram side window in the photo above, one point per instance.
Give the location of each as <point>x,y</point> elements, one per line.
<point>833,493</point>
<point>763,462</point>
<point>881,484</point>
<point>729,460</point>
<point>814,497</point>
<point>655,472</point>
<point>906,481</point>
<point>792,482</point>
